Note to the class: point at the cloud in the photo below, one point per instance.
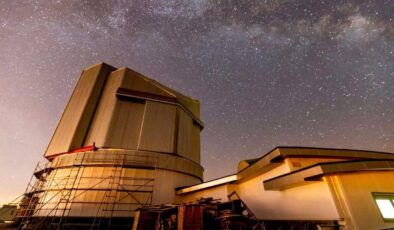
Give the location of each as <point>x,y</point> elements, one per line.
<point>361,29</point>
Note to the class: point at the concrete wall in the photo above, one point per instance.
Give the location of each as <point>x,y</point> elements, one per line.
<point>354,197</point>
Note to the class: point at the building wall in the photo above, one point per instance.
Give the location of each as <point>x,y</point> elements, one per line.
<point>166,181</point>
<point>188,140</point>
<point>125,127</point>
<point>100,128</point>
<point>354,197</point>
<point>95,115</point>
<point>312,201</point>
<point>89,196</point>
<point>142,124</point>
<point>158,128</point>
<point>73,125</point>
<point>86,184</point>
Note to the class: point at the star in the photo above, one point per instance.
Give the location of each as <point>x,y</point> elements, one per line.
<point>267,73</point>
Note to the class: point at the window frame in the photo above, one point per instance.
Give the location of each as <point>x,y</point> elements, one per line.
<point>382,195</point>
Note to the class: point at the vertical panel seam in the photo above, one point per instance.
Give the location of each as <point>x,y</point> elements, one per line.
<point>142,125</point>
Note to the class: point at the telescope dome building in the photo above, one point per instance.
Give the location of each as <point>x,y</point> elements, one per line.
<point>124,141</point>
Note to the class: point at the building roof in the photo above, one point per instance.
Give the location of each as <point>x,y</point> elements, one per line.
<point>279,153</point>
<point>315,172</point>
<point>254,167</point>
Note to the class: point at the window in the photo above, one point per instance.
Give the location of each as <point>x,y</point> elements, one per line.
<point>385,203</point>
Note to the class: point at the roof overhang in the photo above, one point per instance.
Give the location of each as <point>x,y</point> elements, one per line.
<point>279,154</point>
<point>208,184</point>
<point>307,152</point>
<point>315,172</point>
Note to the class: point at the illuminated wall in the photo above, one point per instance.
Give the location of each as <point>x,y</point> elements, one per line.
<point>355,200</point>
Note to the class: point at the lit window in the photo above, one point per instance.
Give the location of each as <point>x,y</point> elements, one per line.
<point>385,204</point>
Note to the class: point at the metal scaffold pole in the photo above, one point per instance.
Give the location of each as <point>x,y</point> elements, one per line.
<point>51,197</point>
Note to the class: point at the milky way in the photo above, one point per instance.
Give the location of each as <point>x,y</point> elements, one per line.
<point>267,73</point>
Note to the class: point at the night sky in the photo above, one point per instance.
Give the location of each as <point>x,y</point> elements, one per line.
<point>267,73</point>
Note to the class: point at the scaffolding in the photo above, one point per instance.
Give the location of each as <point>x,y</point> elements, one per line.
<point>33,192</point>
<point>66,190</point>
